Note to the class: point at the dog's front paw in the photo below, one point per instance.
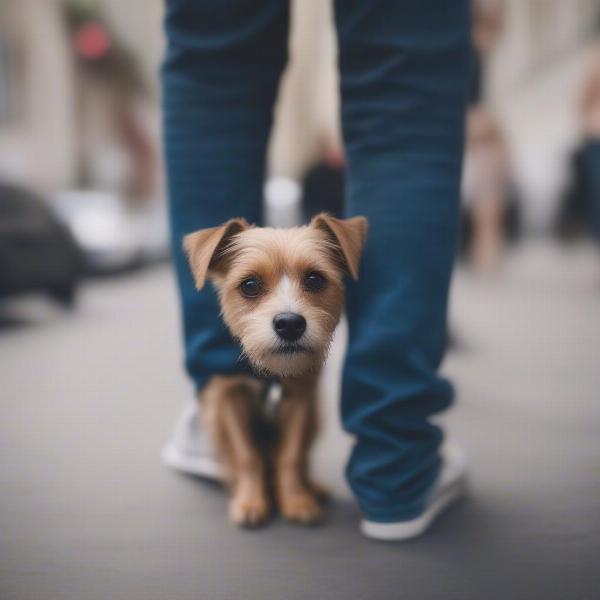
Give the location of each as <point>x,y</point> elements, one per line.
<point>300,507</point>
<point>248,510</point>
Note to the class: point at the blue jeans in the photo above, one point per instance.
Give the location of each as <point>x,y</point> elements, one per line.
<point>404,68</point>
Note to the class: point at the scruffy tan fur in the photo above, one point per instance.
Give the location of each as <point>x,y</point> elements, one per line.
<point>280,259</point>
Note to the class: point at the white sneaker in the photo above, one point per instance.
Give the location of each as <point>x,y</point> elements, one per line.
<point>448,488</point>
<point>190,450</point>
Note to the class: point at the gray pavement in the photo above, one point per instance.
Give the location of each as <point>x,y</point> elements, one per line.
<point>88,512</point>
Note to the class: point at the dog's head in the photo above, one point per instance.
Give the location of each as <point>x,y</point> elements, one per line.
<point>281,290</point>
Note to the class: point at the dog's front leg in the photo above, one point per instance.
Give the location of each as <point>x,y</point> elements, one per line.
<point>229,406</point>
<point>297,417</point>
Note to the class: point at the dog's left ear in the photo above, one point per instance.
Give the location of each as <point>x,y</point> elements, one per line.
<point>203,247</point>
<point>349,237</point>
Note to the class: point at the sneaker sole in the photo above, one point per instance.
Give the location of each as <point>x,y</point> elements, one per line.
<point>406,530</point>
<point>201,466</point>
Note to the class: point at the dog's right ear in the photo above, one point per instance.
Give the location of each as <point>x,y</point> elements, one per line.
<point>203,248</point>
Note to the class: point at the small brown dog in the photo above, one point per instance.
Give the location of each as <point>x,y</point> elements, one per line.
<point>281,293</point>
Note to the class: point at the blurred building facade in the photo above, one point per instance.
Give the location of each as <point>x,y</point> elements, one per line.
<point>37,143</point>
<point>40,143</point>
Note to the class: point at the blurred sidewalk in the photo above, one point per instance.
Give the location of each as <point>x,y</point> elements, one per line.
<point>87,511</point>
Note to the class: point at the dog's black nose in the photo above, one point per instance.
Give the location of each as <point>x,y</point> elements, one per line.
<point>289,326</point>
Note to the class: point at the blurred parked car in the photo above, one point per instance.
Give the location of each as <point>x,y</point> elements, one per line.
<point>37,252</point>
<point>112,235</point>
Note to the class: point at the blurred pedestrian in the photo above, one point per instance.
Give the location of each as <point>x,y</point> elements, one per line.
<point>580,209</point>
<point>488,23</point>
<point>112,95</point>
<point>323,186</point>
<point>489,204</point>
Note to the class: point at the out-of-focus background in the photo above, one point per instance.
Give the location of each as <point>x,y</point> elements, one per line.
<point>90,360</point>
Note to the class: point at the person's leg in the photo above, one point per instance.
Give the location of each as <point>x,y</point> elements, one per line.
<point>219,80</point>
<point>404,82</point>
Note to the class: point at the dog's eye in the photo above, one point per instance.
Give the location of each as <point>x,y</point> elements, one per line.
<point>251,287</point>
<point>314,282</point>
